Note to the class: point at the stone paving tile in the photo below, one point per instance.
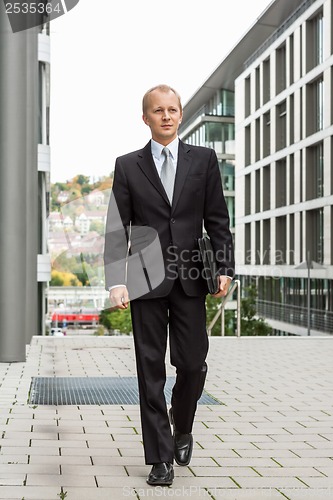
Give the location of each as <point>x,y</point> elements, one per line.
<point>60,460</point>
<point>59,480</point>
<point>102,452</point>
<point>309,494</point>
<point>246,462</point>
<point>12,479</point>
<point>16,459</point>
<point>94,470</point>
<point>270,482</point>
<point>30,468</point>
<point>289,472</point>
<point>125,461</point>
<point>29,493</point>
<point>317,482</point>
<point>245,494</point>
<point>306,462</point>
<point>115,493</point>
<point>12,451</point>
<point>224,471</point>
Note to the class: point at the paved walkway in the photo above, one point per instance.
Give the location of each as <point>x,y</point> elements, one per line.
<point>271,438</point>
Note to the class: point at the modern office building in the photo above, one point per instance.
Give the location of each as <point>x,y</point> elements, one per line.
<point>24,185</point>
<point>281,72</point>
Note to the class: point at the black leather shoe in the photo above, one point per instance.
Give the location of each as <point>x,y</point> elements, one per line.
<point>161,474</point>
<point>182,444</point>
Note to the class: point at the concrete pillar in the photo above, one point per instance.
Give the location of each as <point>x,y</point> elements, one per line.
<point>14,106</point>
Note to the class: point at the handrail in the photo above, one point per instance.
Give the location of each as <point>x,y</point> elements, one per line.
<point>220,311</point>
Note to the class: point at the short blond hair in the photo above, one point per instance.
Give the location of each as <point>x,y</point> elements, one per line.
<point>162,88</point>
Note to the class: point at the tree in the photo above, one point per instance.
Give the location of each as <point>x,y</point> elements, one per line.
<point>98,226</point>
<point>81,179</point>
<point>86,189</point>
<point>116,320</point>
<point>59,278</point>
<point>251,324</point>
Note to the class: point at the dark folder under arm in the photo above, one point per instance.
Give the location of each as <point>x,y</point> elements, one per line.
<point>209,264</point>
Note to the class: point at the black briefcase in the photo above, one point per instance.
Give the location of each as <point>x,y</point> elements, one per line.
<point>210,271</point>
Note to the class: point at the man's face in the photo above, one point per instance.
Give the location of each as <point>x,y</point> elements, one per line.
<point>163,116</point>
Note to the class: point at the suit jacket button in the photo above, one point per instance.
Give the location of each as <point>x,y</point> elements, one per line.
<point>172,221</point>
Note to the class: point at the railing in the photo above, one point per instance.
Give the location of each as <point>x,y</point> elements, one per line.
<point>320,320</point>
<point>227,112</point>
<point>220,311</point>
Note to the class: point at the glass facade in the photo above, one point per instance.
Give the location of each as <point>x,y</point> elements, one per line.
<point>216,135</point>
<point>217,131</point>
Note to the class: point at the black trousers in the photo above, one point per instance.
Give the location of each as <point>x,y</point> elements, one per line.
<point>188,339</point>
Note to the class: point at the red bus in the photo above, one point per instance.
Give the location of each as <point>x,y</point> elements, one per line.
<point>83,316</point>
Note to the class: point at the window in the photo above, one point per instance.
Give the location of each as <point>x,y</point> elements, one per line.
<point>266,80</point>
<point>257,89</point>
<point>291,240</point>
<point>281,126</point>
<point>291,60</point>
<point>247,240</point>
<point>280,183</point>
<point>227,170</point>
<point>314,172</point>
<point>319,103</point>
<point>248,194</point>
<point>314,41</point>
<point>280,69</point>
<point>42,214</point>
<point>257,249</point>
<point>258,193</point>
<point>266,241</point>
<point>266,189</point>
<point>247,145</point>
<point>267,134</point>
<point>247,96</point>
<point>218,135</point>
<point>291,120</point>
<point>315,106</point>
<point>227,103</point>
<point>291,180</point>
<point>319,38</point>
<point>44,103</point>
<point>281,240</point>
<point>257,140</point>
<point>315,234</point>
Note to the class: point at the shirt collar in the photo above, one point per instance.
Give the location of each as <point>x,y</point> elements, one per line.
<point>156,148</point>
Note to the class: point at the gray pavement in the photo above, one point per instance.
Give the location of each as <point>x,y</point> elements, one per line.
<point>271,438</point>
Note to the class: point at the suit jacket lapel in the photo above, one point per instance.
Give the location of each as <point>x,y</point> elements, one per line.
<point>183,166</point>
<point>147,165</point>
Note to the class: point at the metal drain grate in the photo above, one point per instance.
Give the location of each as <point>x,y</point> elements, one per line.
<point>95,391</point>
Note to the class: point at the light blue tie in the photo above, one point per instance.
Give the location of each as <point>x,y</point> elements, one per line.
<point>168,174</point>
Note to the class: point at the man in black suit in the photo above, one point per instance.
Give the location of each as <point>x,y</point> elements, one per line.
<point>170,193</point>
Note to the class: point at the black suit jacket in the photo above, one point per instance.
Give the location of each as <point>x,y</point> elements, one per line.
<point>139,196</point>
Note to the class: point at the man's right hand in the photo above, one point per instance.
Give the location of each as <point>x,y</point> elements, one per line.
<point>119,298</point>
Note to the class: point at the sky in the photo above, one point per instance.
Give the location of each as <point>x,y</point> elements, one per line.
<point>105,54</point>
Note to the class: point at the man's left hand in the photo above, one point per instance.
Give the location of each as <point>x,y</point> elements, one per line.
<point>224,285</point>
